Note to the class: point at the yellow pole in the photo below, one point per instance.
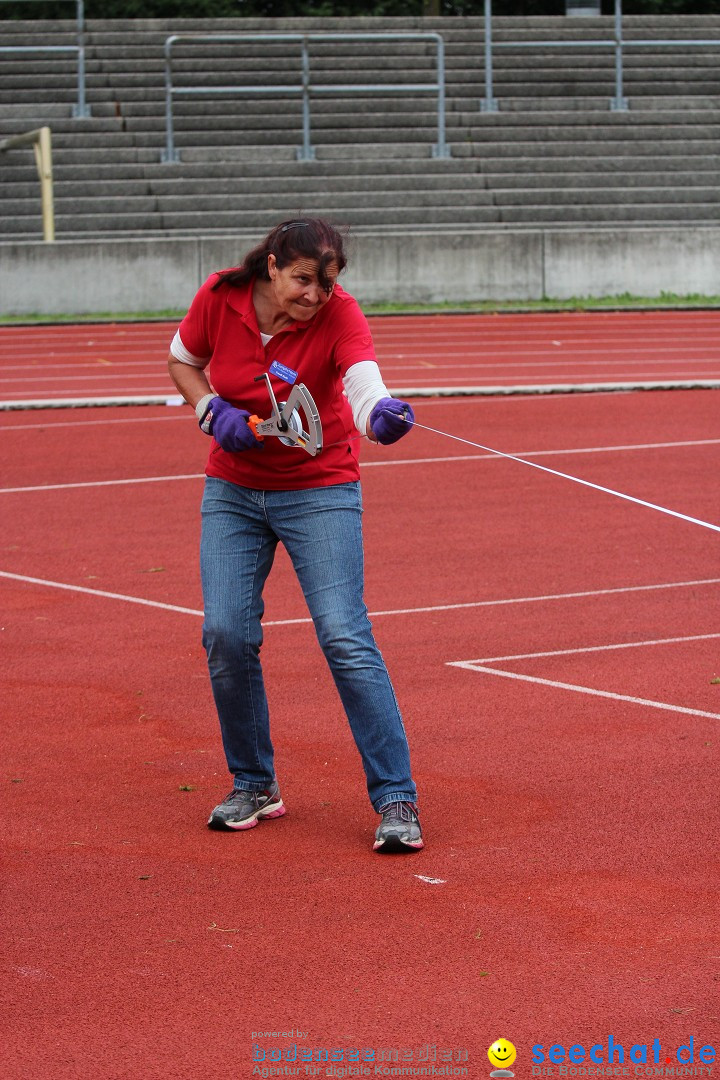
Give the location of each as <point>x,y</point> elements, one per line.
<point>43,159</point>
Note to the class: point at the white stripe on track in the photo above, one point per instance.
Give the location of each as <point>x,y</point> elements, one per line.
<point>373,614</point>
<point>101,364</point>
<point>109,372</point>
<point>593,648</point>
<point>100,373</point>
<point>428,403</point>
<point>546,598</point>
<point>589,690</point>
<point>543,453</point>
<point>379,464</point>
<point>162,397</point>
<point>50,424</point>
<point>99,592</point>
<point>102,483</point>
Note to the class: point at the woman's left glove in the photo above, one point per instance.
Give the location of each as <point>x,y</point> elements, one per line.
<point>390,420</point>
<point>229,426</point>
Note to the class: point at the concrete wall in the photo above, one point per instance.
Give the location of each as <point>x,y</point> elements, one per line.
<point>130,275</point>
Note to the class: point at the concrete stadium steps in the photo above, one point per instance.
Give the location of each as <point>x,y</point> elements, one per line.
<point>212,204</point>
<point>553,154</point>
<point>332,126</point>
<point>506,183</point>
<point>627,150</point>
<point>569,197</point>
<point>193,222</point>
<point>423,186</point>
<point>669,102</point>
<point>605,214</point>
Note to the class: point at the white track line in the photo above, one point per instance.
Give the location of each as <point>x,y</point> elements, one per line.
<point>101,373</point>
<point>541,453</point>
<point>590,649</point>
<point>51,424</point>
<point>162,398</point>
<point>98,375</point>
<point>543,362</point>
<point>569,376</point>
<point>373,614</point>
<point>480,666</point>
<point>402,392</point>
<point>428,403</point>
<point>381,464</point>
<point>101,364</point>
<point>99,592</point>
<point>589,690</point>
<point>545,598</point>
<point>551,388</point>
<point>102,483</point>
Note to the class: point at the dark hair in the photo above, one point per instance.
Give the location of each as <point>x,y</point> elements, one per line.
<point>310,238</point>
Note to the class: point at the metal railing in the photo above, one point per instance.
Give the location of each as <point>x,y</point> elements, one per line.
<point>306,87</point>
<point>41,142</point>
<point>81,108</point>
<point>619,103</point>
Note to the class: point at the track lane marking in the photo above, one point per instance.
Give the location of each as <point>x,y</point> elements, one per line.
<point>481,667</point>
<point>429,403</point>
<point>161,397</point>
<point>63,377</point>
<point>593,648</point>
<point>376,464</point>
<point>590,690</point>
<point>58,372</point>
<point>102,483</point>
<point>46,425</point>
<point>373,614</point>
<point>587,594</point>
<point>99,592</point>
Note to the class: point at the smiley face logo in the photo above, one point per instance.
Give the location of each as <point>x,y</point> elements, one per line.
<point>502,1053</point>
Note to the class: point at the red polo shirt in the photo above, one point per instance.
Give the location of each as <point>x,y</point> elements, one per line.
<point>222,325</point>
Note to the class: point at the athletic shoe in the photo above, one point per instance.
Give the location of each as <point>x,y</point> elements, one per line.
<point>399,829</point>
<point>243,809</point>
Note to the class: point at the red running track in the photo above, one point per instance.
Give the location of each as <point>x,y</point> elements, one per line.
<point>555,653</point>
<point>448,351</point>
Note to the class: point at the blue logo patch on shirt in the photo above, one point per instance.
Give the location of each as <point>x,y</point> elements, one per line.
<point>281,372</point>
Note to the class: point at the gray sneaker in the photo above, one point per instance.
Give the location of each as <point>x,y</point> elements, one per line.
<point>399,829</point>
<point>243,809</point>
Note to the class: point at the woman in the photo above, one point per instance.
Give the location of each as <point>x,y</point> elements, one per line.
<point>283,306</point>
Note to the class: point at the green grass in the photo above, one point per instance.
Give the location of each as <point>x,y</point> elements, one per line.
<point>621,302</point>
<point>96,317</point>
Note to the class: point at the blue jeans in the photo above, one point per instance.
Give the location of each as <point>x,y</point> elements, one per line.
<point>321,531</point>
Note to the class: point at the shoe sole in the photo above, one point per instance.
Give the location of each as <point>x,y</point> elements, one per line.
<point>274,811</point>
<point>393,845</point>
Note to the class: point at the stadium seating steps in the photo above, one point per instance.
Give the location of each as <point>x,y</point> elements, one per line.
<point>554,154</point>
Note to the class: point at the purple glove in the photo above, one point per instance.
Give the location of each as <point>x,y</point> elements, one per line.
<point>229,426</point>
<point>390,420</point>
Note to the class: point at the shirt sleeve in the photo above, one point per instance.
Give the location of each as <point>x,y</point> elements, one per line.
<point>364,388</point>
<point>353,341</point>
<point>180,353</point>
<point>195,340</point>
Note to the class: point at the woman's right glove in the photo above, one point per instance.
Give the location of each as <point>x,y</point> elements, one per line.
<point>228,426</point>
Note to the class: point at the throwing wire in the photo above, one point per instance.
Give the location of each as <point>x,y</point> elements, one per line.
<point>567,476</point>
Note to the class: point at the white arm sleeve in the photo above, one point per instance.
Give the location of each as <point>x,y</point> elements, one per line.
<point>364,388</point>
<point>180,353</point>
